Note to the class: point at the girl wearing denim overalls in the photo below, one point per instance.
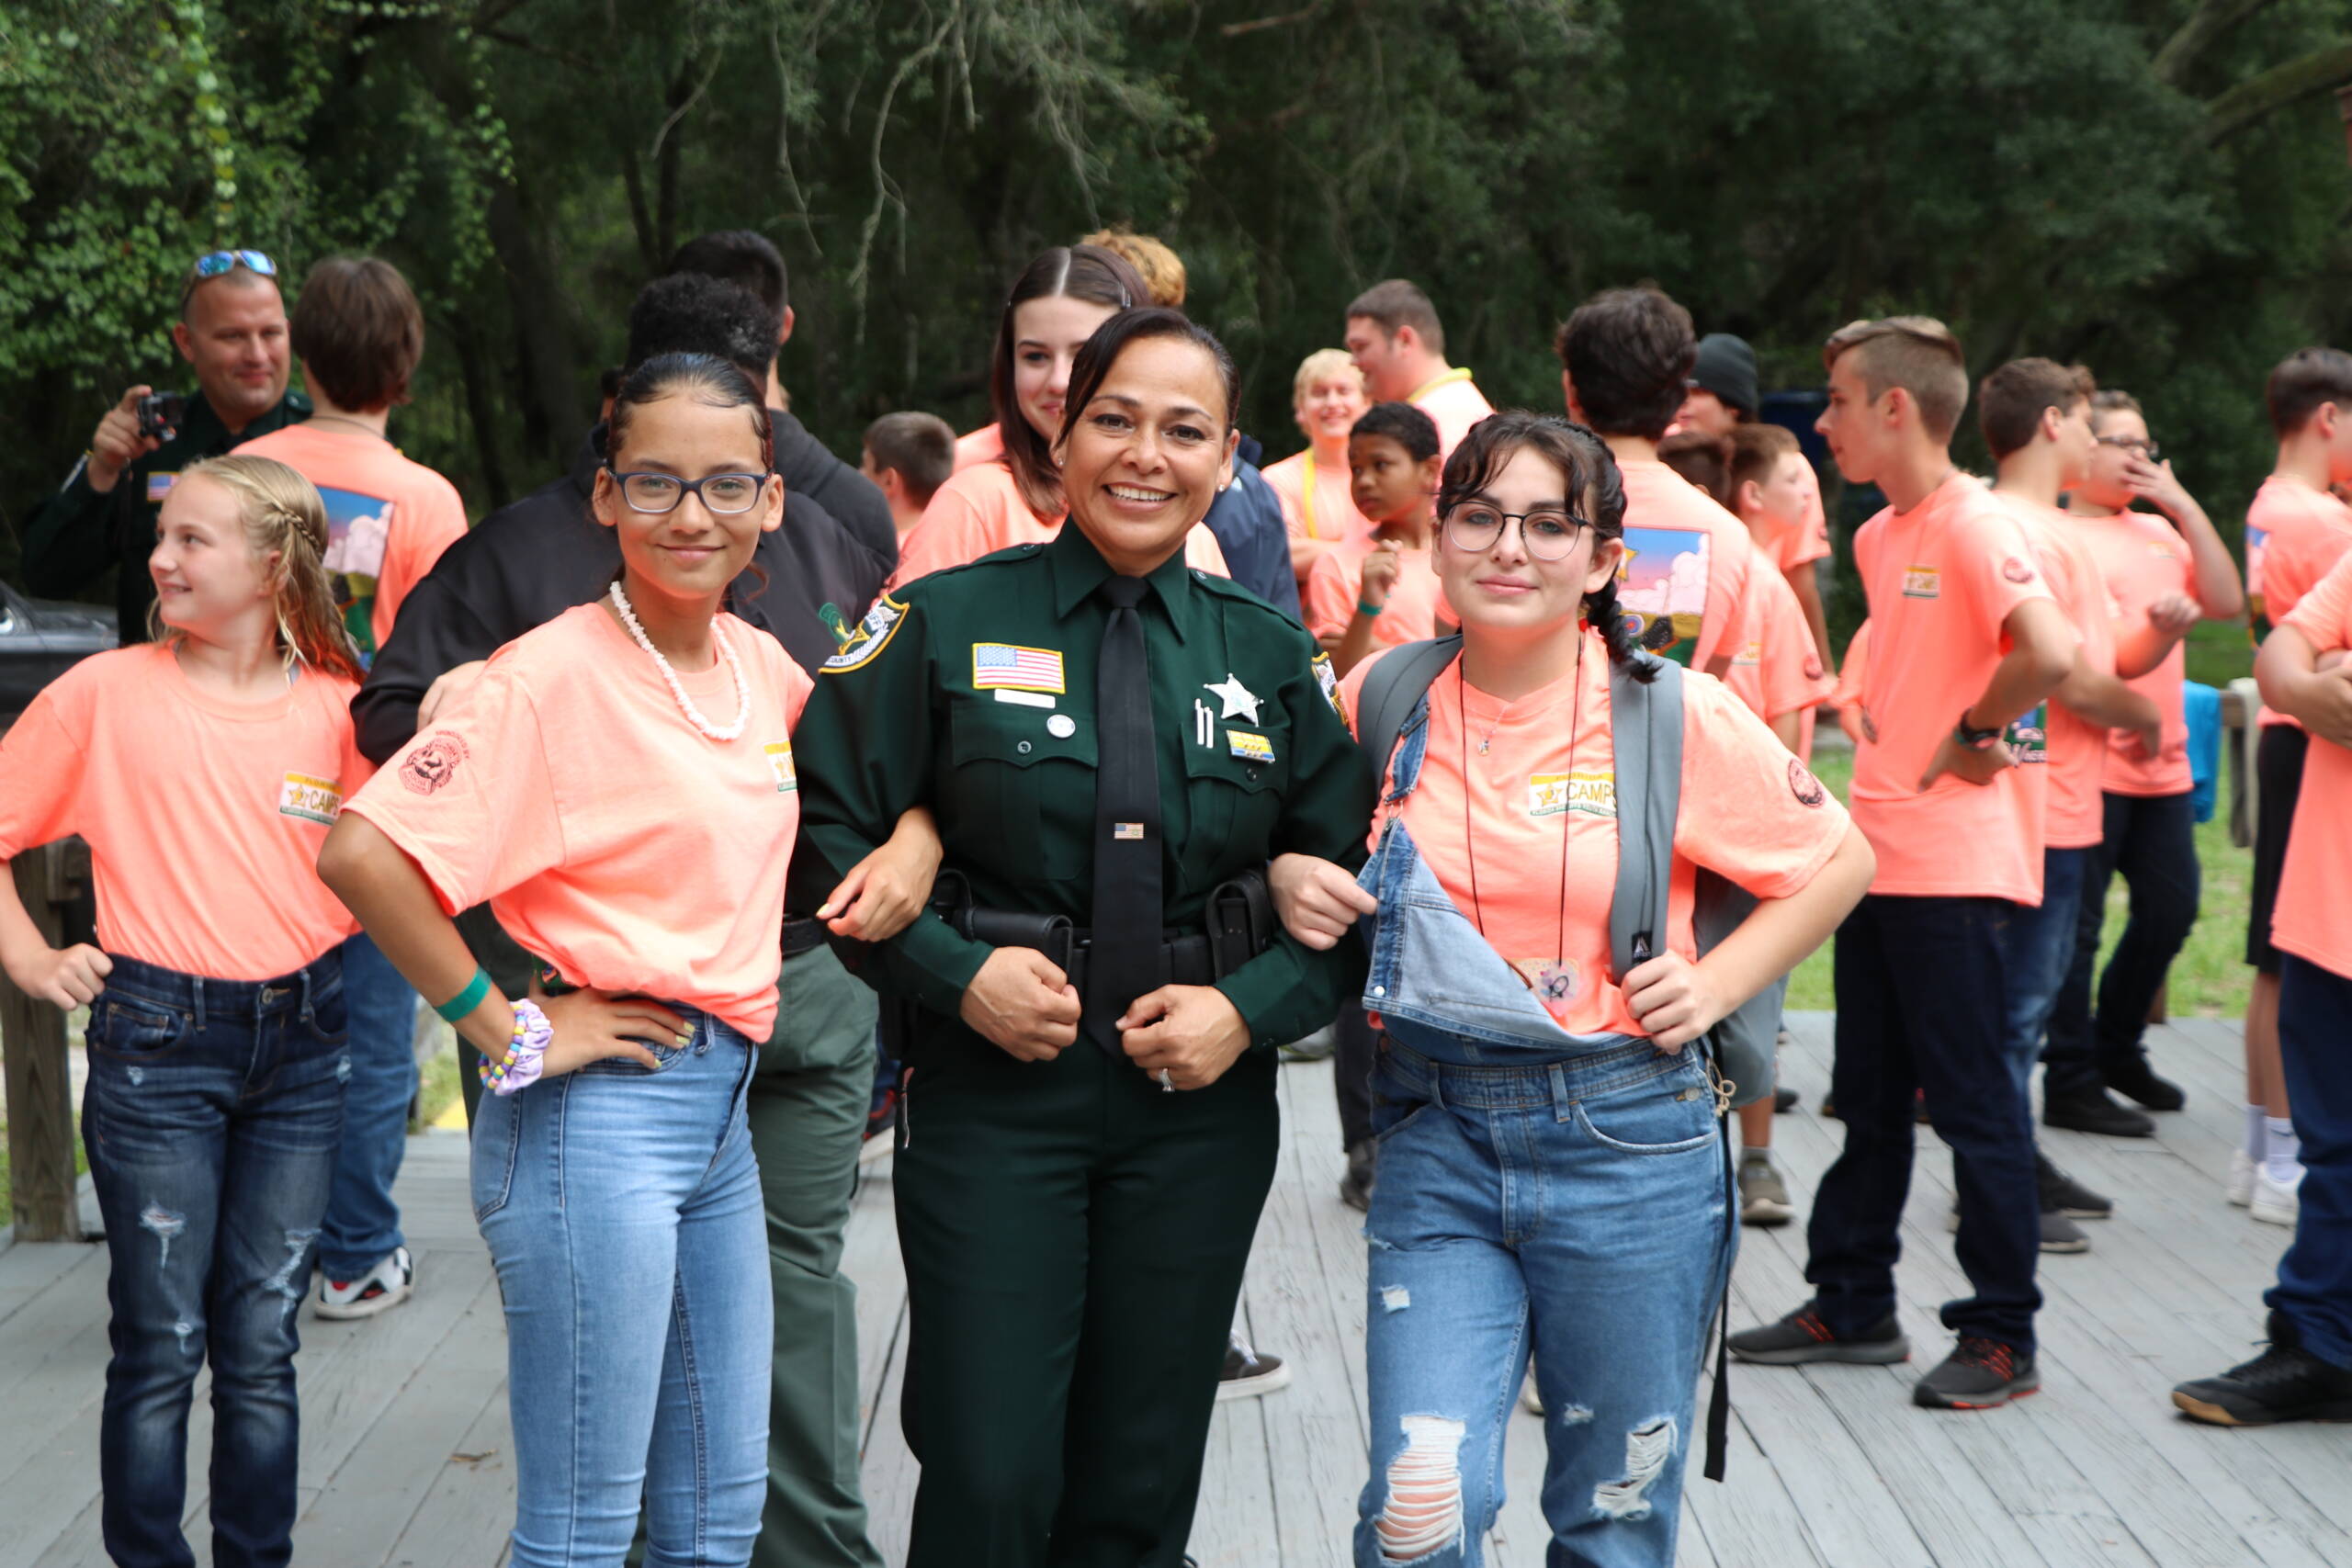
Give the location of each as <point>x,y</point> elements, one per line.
<point>1551,1179</point>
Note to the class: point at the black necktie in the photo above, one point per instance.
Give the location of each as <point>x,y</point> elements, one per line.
<point>1126,960</point>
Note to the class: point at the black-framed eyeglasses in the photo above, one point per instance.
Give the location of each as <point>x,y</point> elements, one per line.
<point>219,264</point>
<point>1548,533</point>
<point>725,495</point>
<point>2148,449</point>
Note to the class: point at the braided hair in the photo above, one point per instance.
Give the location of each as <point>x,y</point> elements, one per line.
<point>1594,488</point>
<point>283,516</point>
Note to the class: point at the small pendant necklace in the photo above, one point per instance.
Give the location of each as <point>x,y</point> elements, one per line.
<point>677,688</point>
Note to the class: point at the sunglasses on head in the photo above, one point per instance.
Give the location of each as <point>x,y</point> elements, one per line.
<point>218,264</point>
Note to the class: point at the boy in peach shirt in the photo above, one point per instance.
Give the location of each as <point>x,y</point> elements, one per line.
<point>2306,1371</point>
<point>1921,975</point>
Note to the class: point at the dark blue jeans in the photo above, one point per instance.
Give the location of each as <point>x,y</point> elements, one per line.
<point>2039,953</point>
<point>2315,1287</point>
<point>2152,840</point>
<point>363,1224</point>
<point>210,1117</point>
<point>1920,986</point>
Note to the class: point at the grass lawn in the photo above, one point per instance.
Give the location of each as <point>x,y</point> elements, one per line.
<point>2208,978</point>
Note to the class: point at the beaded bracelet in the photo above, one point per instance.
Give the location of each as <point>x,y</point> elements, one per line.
<point>525,1052</point>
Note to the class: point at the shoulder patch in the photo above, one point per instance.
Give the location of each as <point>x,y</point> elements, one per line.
<point>860,644</point>
<point>1327,679</point>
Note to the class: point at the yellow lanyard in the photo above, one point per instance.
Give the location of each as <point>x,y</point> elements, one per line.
<point>1459,373</point>
<point>1309,502</point>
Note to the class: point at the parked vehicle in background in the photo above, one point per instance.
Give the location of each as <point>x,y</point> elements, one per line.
<point>40,639</point>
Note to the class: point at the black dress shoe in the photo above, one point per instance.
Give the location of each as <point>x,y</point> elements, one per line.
<point>2139,1080</point>
<point>2094,1110</point>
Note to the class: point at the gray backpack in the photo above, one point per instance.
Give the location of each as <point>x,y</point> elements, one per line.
<point>1646,721</point>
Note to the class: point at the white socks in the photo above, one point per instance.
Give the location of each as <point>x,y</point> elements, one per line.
<point>2282,1154</point>
<point>2257,1136</point>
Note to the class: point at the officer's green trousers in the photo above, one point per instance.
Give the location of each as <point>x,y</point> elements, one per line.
<point>808,1105</point>
<point>1074,1242</point>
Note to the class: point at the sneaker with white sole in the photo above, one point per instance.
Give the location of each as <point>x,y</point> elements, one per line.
<point>385,1286</point>
<point>2239,1189</point>
<point>1763,1195</point>
<point>2276,1202</point>
<point>1249,1373</point>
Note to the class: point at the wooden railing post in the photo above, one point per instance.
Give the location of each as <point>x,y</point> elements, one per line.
<point>39,1080</point>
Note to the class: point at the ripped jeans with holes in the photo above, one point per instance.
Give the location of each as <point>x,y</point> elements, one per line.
<point>1539,1193</point>
<point>210,1117</point>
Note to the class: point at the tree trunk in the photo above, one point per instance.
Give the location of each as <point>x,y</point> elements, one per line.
<point>2257,98</point>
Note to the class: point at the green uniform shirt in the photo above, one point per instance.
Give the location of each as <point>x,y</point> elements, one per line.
<point>972,691</point>
<point>77,533</point>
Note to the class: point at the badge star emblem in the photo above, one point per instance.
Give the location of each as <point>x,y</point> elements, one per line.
<point>1239,700</point>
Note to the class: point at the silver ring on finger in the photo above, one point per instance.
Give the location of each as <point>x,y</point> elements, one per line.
<point>1167,1084</point>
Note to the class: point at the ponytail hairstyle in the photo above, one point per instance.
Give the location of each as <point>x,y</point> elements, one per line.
<point>1590,478</point>
<point>283,515</point>
<point>1074,272</point>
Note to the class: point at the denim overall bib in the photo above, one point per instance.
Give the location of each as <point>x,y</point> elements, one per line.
<point>1538,1193</point>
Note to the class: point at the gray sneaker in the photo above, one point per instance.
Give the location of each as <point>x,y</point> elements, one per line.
<point>1763,1196</point>
<point>2059,1234</point>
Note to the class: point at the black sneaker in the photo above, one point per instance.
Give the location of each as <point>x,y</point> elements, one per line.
<point>2059,1234</point>
<point>2286,1382</point>
<point>1785,1099</point>
<point>2094,1110</point>
<point>1804,1337</point>
<point>1355,1187</point>
<point>1979,1374</point>
<point>2139,1080</point>
<point>2067,1196</point>
<point>1249,1373</point>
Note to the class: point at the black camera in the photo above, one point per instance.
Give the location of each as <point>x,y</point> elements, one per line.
<point>159,413</point>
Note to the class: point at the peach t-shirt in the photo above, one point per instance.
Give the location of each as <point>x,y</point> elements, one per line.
<point>1855,670</point>
<point>2142,558</point>
<point>1942,578</point>
<point>979,511</point>
<point>1523,834</point>
<point>2313,920</point>
<point>979,446</point>
<point>1777,669</point>
<point>2075,814</point>
<point>388,519</point>
<point>1453,403</point>
<point>612,838</point>
<point>1317,498</point>
<point>1336,585</point>
<point>1792,545</point>
<point>2293,536</point>
<point>204,816</point>
<point>1686,564</point>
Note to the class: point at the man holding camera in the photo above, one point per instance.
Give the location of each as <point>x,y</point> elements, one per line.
<point>232,332</point>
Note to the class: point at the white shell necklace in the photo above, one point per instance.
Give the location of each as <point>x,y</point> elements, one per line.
<point>677,688</point>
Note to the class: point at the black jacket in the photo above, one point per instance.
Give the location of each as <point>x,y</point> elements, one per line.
<point>1247,519</point>
<point>527,563</point>
<point>811,471</point>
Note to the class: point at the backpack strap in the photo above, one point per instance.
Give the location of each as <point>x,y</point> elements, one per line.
<point>1392,689</point>
<point>1645,724</point>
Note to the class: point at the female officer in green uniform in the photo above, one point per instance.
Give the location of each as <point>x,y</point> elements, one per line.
<point>1088,1128</point>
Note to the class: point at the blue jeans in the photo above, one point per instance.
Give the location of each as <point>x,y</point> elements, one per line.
<point>1576,1209</point>
<point>363,1225</point>
<point>2036,955</point>
<point>2152,840</point>
<point>622,1209</point>
<point>1920,985</point>
<point>1541,1189</point>
<point>2314,1289</point>
<point>210,1118</point>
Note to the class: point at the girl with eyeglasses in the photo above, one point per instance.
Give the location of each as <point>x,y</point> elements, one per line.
<point>1551,1179</point>
<point>619,784</point>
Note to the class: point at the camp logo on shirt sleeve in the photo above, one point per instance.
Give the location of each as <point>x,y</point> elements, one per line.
<point>2016,570</point>
<point>432,762</point>
<point>1003,666</point>
<point>312,800</point>
<point>1587,794</point>
<point>1804,785</point>
<point>787,776</point>
<point>1248,747</point>
<point>1920,581</point>
<point>860,644</point>
<point>1326,680</point>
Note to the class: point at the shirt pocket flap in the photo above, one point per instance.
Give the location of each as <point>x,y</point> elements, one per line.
<point>1007,732</point>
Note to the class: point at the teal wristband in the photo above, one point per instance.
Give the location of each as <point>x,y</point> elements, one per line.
<point>1364,609</point>
<point>465,1002</point>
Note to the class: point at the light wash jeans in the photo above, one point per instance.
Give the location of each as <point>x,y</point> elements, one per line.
<point>1538,1190</point>
<point>622,1209</point>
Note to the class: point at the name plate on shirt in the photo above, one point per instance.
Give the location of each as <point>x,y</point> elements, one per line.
<point>1026,699</point>
<point>788,774</point>
<point>312,800</point>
